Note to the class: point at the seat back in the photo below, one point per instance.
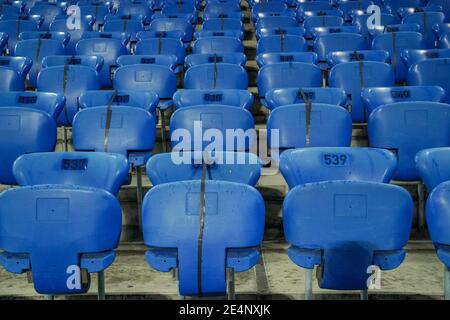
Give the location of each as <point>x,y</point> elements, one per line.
<point>426,21</point>
<point>162,46</point>
<point>172,24</point>
<point>218,45</point>
<point>276,22</point>
<point>320,31</point>
<point>53,225</point>
<point>312,22</point>
<point>274,31</point>
<point>48,11</point>
<point>234,218</point>
<point>411,57</point>
<point>130,10</point>
<point>223,24</point>
<point>166,60</point>
<point>408,127</point>
<point>394,5</point>
<point>75,34</point>
<point>432,165</point>
<point>97,11</point>
<point>94,62</point>
<point>238,34</point>
<point>278,57</point>
<point>130,26</point>
<point>282,97</point>
<point>281,43</point>
<point>229,97</point>
<point>378,30</point>
<point>13,28</point>
<point>337,57</point>
<point>122,36</point>
<point>63,37</point>
<point>48,102</point>
<point>360,21</point>
<point>11,80</point>
<point>238,58</point>
<point>356,225</point>
<point>173,34</point>
<point>69,81</point>
<point>344,41</point>
<point>216,76</point>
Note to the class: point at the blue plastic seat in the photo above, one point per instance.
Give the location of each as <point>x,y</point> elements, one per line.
<point>222,24</point>
<point>238,34</point>
<point>337,57</point>
<point>433,166</point>
<point>173,24</point>
<point>281,43</point>
<point>188,17</point>
<point>51,228</point>
<point>278,57</point>
<point>48,11</point>
<point>24,130</point>
<point>330,126</point>
<point>147,100</point>
<point>356,225</point>
<point>132,27</point>
<point>173,34</point>
<point>394,5</point>
<point>97,12</point>
<point>94,62</point>
<point>281,97</point>
<point>425,125</point>
<point>264,9</point>
<point>122,36</point>
<point>319,31</point>
<point>411,57</point>
<point>264,32</point>
<point>217,45</point>
<point>182,8</point>
<point>109,49</point>
<point>222,10</point>
<point>13,28</point>
<point>411,27</point>
<point>131,132</point>
<point>220,118</point>
<point>314,5</point>
<point>444,42</point>
<point>441,30</point>
<point>321,21</point>
<point>286,75</point>
<point>276,23</point>
<point>48,102</point>
<point>303,15</point>
<point>405,12</point>
<point>445,5</point>
<point>426,20</point>
<point>75,34</point>
<point>395,43</point>
<point>231,209</point>
<point>134,10</point>
<point>229,97</point>
<point>63,37</point>
<point>11,80</point>
<point>375,97</point>
<point>216,76</point>
<point>3,41</point>
<point>360,21</point>
<point>69,81</point>
<point>237,58</point>
<point>167,60</point>
<point>8,9</point>
<point>162,46</point>
<point>309,165</point>
<point>347,6</point>
<point>331,42</point>
<point>21,65</point>
<point>431,72</point>
<point>353,77</point>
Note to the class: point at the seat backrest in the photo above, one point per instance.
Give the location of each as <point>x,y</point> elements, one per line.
<point>353,77</point>
<point>75,34</point>
<point>94,62</point>
<point>440,30</point>
<point>108,48</point>
<point>122,36</point>
<point>223,24</point>
<point>320,31</point>
<point>48,11</point>
<point>433,166</point>
<point>377,96</point>
<point>411,57</point>
<point>69,81</point>
<point>48,102</point>
<point>347,6</point>
<point>97,11</point>
<point>426,20</point>
<point>276,22</point>
<point>394,5</point>
<point>146,77</point>
<point>130,130</point>
<point>286,75</point>
<point>361,21</point>
<point>281,97</point>
<point>312,22</point>
<point>13,28</point>
<point>431,72</point>
<point>314,6</point>
<point>281,43</point>
<point>378,30</point>
<point>24,130</point>
<point>172,24</point>
<point>62,36</point>
<point>330,126</point>
<point>167,60</point>
<point>173,34</point>
<point>130,10</point>
<point>444,42</point>
<point>238,34</point>
<point>53,225</point>
<point>300,166</point>
<point>277,57</point>
<point>229,97</point>
<point>237,58</point>
<point>216,76</point>
<point>337,57</point>
<point>21,65</point>
<point>274,31</point>
<point>356,225</point>
<point>344,41</point>
<point>162,46</point>
<point>234,219</point>
<point>217,45</point>
<point>424,126</point>
<point>11,80</point>
<point>131,26</point>
<point>231,122</point>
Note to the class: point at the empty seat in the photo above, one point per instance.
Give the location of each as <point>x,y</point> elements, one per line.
<point>347,6</point>
<point>281,97</point>
<point>411,27</point>
<point>433,166</point>
<point>314,5</point>
<point>326,126</point>
<point>321,21</point>
<point>173,24</point>
<point>11,80</point>
<point>238,34</point>
<point>48,102</point>
<point>303,15</point>
<point>63,37</point>
<point>216,76</point>
<point>281,43</point>
<point>361,21</point>
<point>395,43</point>
<point>308,165</point>
<point>217,45</point>
<point>69,81</point>
<point>319,31</point>
<point>411,57</point>
<point>94,62</point>
<point>274,31</point>
<point>337,57</point>
<point>238,58</point>
<point>173,34</point>
<point>167,60</point>
<point>277,57</point>
<point>222,10</point>
<point>331,42</point>
<point>375,97</point>
<point>426,20</point>
<point>357,224</point>
<point>444,42</point>
<point>431,72</point>
<point>223,24</point>
<point>276,23</point>
<point>229,97</point>
<point>21,65</point>
<point>13,28</point>
<point>134,10</point>
<point>424,125</point>
<point>162,46</point>
<point>97,12</point>
<point>231,209</point>
<point>109,49</point>
<point>181,8</point>
<point>353,77</point>
<point>394,5</point>
<point>75,34</point>
<point>122,36</point>
<point>131,27</point>
<point>48,11</point>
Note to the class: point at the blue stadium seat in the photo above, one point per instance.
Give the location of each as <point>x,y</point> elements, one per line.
<point>13,28</point>
<point>173,24</point>
<point>286,75</point>
<point>431,72</point>
<point>314,5</point>
<point>216,76</point>
<point>229,97</point>
<point>444,42</point>
<point>162,46</point>
<point>222,10</point>
<point>24,130</point>
<point>264,32</point>
<point>122,36</point>
<point>51,103</point>
<point>134,10</point>
<point>425,126</point>
<point>330,126</point>
<point>426,20</point>
<point>429,8</point>
<point>309,165</point>
<point>276,23</point>
<point>319,31</point>
<point>59,227</point>
<point>394,5</point>
<point>238,58</point>
<point>63,37</point>
<point>97,12</point>
<point>441,30</point>
<point>167,60</point>
<point>221,118</point>
<point>239,167</point>
<point>433,166</point>
<point>321,21</point>
<point>443,3</point>
<point>232,209</point>
<point>281,43</point>
<point>188,17</point>
<point>278,57</point>
<point>132,27</point>
<point>356,225</point>
<point>131,132</point>
<point>411,27</point>
<point>21,65</point>
<point>147,100</point>
<point>11,80</point>
<point>337,57</point>
<point>238,34</point>
<point>347,6</point>
<point>173,34</point>
<point>281,97</point>
<point>375,97</point>
<point>360,21</point>
<point>411,57</point>
<point>353,77</point>
<point>267,9</point>
<point>182,8</point>
<point>75,35</point>
<point>109,49</point>
<point>222,24</point>
<point>10,10</point>
<point>69,81</point>
<point>331,42</point>
<point>48,11</point>
<point>217,45</point>
<point>94,62</point>
<point>395,43</point>
<point>304,15</point>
